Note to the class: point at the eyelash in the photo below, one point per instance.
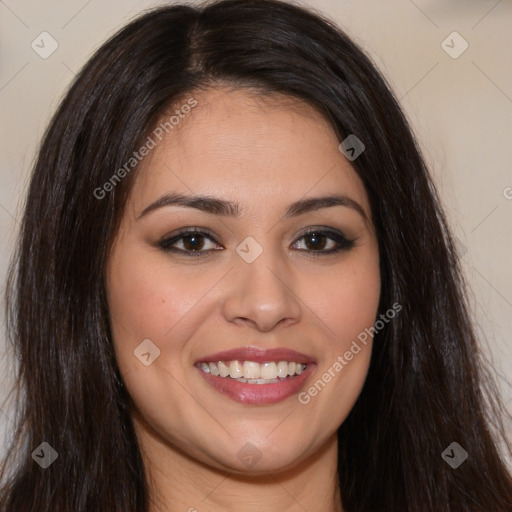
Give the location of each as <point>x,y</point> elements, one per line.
<point>344,243</point>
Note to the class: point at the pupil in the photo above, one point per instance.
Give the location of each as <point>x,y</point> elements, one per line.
<point>193,245</point>
<point>315,238</point>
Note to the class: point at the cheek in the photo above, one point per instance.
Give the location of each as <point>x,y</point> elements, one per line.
<point>148,301</point>
<point>346,300</point>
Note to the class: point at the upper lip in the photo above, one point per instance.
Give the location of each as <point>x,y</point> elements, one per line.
<point>257,355</point>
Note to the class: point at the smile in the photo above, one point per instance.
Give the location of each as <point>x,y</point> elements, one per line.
<point>252,372</point>
<point>254,376</point>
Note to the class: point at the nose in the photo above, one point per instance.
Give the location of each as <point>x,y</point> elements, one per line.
<point>261,293</point>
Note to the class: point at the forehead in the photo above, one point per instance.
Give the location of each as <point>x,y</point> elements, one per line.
<point>262,152</point>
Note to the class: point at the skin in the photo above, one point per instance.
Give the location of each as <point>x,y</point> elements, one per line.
<point>263,154</point>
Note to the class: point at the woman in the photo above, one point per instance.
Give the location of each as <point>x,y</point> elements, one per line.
<point>235,288</point>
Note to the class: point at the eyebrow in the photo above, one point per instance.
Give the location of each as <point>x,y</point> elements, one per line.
<point>227,208</point>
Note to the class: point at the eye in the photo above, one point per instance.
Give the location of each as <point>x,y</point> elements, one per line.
<point>194,242</point>
<point>322,241</point>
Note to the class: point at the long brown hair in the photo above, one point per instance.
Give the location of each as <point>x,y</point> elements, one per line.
<point>427,385</point>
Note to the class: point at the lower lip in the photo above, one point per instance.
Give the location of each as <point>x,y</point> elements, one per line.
<point>258,394</point>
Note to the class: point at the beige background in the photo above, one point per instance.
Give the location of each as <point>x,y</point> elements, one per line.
<point>460,108</point>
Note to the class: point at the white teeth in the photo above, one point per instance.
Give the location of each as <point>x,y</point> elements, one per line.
<point>252,372</point>
<point>282,369</point>
<point>235,369</point>
<point>269,371</point>
<point>223,369</point>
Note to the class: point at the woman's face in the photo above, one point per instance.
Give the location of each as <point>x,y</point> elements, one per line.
<point>253,284</point>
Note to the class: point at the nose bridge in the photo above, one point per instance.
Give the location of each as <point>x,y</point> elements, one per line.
<point>261,290</point>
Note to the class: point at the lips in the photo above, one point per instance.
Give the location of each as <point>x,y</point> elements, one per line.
<point>257,391</point>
